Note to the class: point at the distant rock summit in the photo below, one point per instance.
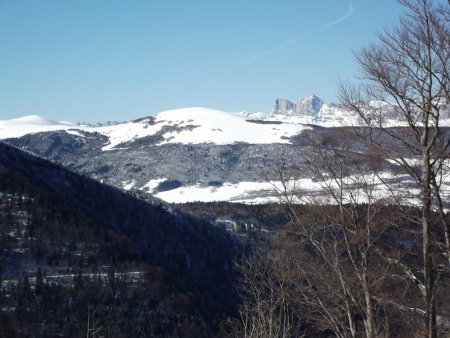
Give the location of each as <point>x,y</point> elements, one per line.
<point>310,110</point>
<point>310,106</point>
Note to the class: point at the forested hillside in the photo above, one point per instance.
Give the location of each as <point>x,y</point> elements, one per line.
<point>76,254</point>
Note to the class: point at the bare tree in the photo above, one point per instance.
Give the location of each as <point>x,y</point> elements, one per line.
<point>407,73</point>
<point>94,325</point>
<point>336,238</point>
<point>405,77</point>
<point>351,231</point>
<point>265,311</point>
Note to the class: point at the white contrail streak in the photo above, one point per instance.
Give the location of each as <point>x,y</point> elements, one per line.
<point>342,18</point>
<point>267,52</point>
<point>289,42</point>
<point>256,57</point>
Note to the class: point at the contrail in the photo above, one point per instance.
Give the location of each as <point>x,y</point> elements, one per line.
<point>256,57</point>
<point>286,43</point>
<point>291,41</point>
<point>344,17</point>
<point>266,52</point>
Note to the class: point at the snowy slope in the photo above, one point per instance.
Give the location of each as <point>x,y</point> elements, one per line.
<point>186,126</point>
<point>266,192</point>
<point>30,124</point>
<point>218,127</point>
<point>199,125</point>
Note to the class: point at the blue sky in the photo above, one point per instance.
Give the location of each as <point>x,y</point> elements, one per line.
<point>98,60</point>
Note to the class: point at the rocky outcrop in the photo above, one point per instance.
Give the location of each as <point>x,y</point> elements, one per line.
<point>310,106</point>
<point>283,107</point>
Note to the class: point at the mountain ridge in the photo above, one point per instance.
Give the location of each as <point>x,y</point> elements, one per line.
<point>197,125</point>
<point>198,154</point>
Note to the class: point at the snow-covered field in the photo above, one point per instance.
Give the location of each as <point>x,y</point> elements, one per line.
<point>363,189</point>
<point>245,192</point>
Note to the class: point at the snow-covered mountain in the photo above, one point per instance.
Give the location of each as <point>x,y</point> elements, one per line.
<point>182,126</point>
<point>310,110</point>
<point>203,125</point>
<point>199,125</point>
<point>313,110</point>
<point>192,153</point>
<point>31,124</point>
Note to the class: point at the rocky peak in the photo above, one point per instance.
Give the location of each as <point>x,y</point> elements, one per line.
<point>283,106</point>
<point>310,106</point>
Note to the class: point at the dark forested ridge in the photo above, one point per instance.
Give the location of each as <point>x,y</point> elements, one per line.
<point>78,258</point>
<point>73,249</point>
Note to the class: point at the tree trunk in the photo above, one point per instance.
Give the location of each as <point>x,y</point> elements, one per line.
<point>426,246</point>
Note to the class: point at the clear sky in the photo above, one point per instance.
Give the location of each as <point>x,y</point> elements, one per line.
<point>98,60</point>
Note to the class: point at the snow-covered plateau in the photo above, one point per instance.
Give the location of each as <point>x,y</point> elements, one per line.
<point>203,125</point>
<point>186,126</point>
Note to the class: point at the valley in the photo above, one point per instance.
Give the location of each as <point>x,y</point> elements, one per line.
<point>190,214</point>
